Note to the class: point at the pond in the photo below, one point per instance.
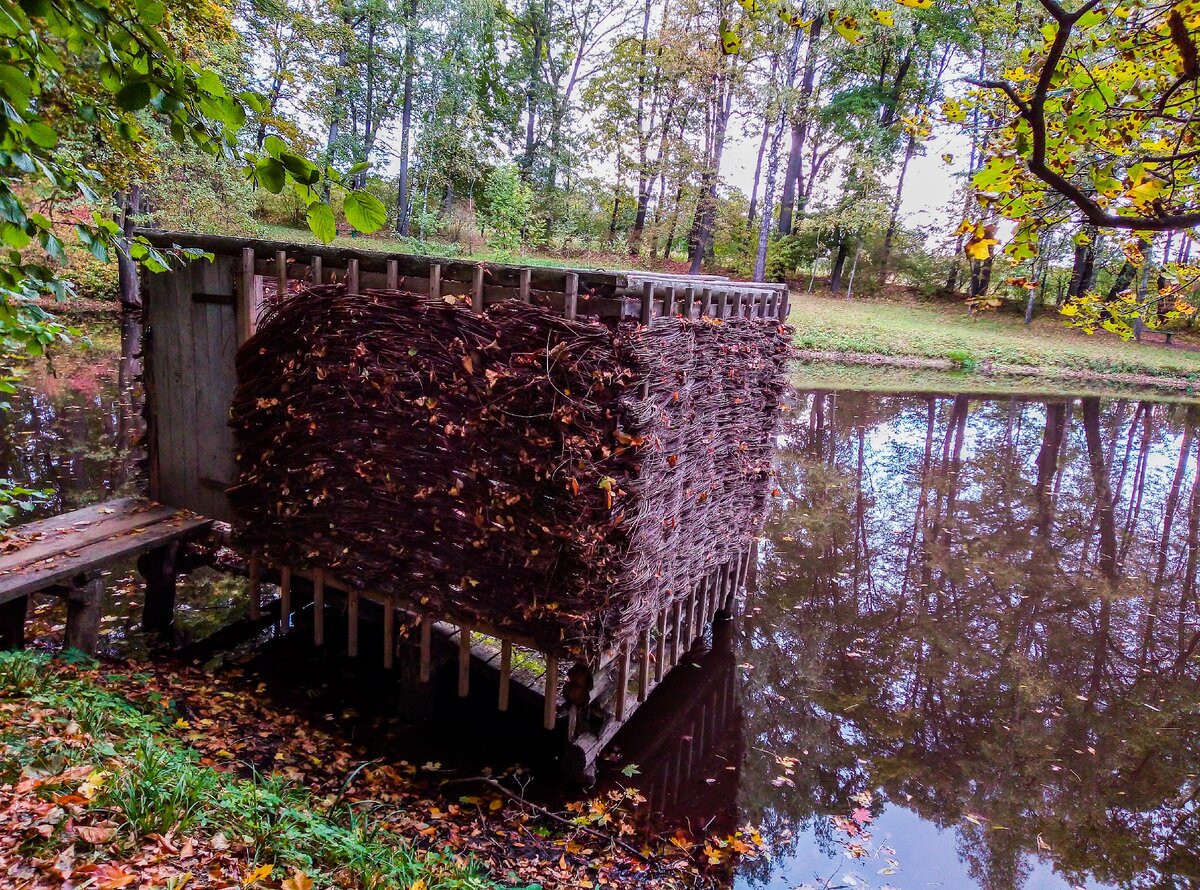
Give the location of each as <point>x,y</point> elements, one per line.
<point>970,657</point>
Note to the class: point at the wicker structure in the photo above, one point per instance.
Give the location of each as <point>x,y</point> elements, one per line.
<point>556,480</point>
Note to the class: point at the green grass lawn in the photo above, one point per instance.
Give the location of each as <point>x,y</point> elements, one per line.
<point>946,331</point>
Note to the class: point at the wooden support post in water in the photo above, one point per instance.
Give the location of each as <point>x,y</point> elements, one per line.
<point>246,304</point>
<point>685,629</point>
<point>281,276</point>
<point>464,661</point>
<point>523,280</point>
<point>571,296</point>
<point>550,699</point>
<point>643,686</point>
<point>389,632</point>
<point>352,277</point>
<point>676,640</point>
<point>477,289</point>
<point>622,690</point>
<point>435,281</point>
<point>426,669</point>
<point>393,275</point>
<point>255,582</point>
<point>285,599</point>
<point>315,273</point>
<point>319,607</point>
<point>352,623</point>
<point>505,673</point>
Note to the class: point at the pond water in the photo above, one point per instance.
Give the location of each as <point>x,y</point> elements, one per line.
<point>971,657</point>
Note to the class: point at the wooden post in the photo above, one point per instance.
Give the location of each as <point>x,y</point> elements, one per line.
<point>737,304</point>
<point>435,281</point>
<point>464,661</point>
<point>315,271</point>
<point>426,670</point>
<point>477,289</point>
<point>622,690</point>
<point>393,275</point>
<point>706,302</point>
<point>782,312</point>
<point>319,607</point>
<point>285,599</point>
<point>722,304</point>
<point>255,583</point>
<point>676,640</point>
<point>660,647</point>
<point>550,698</point>
<point>571,296</point>
<point>83,613</point>
<point>246,304</point>
<point>389,632</point>
<point>769,305</point>
<point>669,302</point>
<point>12,623</point>
<point>281,276</point>
<point>647,302</point>
<point>523,285</point>
<point>505,673</point>
<point>352,623</point>
<point>352,277</point>
<point>643,666</point>
<point>158,569</point>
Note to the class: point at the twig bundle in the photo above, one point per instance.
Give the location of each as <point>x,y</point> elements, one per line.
<point>504,468</point>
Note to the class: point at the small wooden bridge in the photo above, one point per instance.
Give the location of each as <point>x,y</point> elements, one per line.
<point>197,316</point>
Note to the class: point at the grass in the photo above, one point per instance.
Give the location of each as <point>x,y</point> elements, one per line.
<point>947,332</point>
<point>105,779</point>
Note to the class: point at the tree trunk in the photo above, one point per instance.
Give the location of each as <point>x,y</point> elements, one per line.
<point>403,214</point>
<point>893,221</point>
<point>706,206</point>
<point>762,147</point>
<point>800,120</point>
<point>839,264</point>
<point>645,180</point>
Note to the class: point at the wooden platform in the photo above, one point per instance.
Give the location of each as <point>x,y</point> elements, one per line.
<point>65,554</point>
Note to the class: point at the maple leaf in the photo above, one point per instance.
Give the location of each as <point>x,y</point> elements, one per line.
<point>258,874</point>
<point>113,876</point>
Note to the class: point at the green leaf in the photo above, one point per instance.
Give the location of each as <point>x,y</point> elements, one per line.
<point>364,211</point>
<point>15,86</point>
<point>150,12</point>
<point>134,96</point>
<point>303,170</point>
<point>14,236</point>
<point>42,135</point>
<point>322,223</point>
<point>270,174</point>
<point>360,167</point>
<point>274,146</point>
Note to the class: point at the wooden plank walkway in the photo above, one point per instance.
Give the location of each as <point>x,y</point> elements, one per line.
<point>65,554</point>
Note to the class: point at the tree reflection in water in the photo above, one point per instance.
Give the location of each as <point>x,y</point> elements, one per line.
<point>76,419</point>
<point>985,610</point>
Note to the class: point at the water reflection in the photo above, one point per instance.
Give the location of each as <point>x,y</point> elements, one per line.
<point>984,612</point>
<point>74,424</point>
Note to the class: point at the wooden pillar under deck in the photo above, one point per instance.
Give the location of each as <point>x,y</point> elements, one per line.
<point>83,613</point>
<point>12,623</point>
<point>158,569</point>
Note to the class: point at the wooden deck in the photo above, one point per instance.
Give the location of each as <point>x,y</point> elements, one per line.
<point>65,554</point>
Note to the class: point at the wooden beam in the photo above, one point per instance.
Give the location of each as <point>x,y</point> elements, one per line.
<point>660,647</point>
<point>319,607</point>
<point>393,275</point>
<point>505,673</point>
<point>737,304</point>
<point>706,302</point>
<point>315,271</point>
<point>245,299</point>
<point>722,304</point>
<point>669,303</point>
<point>285,599</point>
<point>352,277</point>
<point>435,281</point>
<point>643,686</point>
<point>426,669</point>
<point>254,572</point>
<point>281,276</point>
<point>647,302</point>
<point>389,633</point>
<point>523,285</point>
<point>477,289</point>
<point>550,696</point>
<point>464,661</point>
<point>622,690</point>
<point>570,295</point>
<point>352,623</point>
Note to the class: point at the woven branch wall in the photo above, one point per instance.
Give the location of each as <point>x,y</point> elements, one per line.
<point>505,469</point>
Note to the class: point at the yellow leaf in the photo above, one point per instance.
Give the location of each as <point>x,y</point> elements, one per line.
<point>885,17</point>
<point>916,4</point>
<point>846,26</point>
<point>418,884</point>
<point>298,881</point>
<point>1069,310</point>
<point>981,249</point>
<point>731,41</point>
<point>259,874</point>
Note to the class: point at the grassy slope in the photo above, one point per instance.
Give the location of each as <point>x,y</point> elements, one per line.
<point>90,783</point>
<point>947,332</point>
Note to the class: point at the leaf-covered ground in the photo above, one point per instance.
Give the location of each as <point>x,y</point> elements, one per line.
<point>112,776</point>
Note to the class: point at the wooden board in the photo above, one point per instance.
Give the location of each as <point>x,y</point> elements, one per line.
<point>55,550</point>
